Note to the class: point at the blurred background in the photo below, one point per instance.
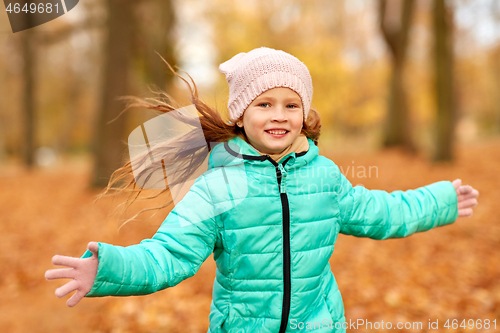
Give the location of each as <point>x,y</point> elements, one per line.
<point>408,92</point>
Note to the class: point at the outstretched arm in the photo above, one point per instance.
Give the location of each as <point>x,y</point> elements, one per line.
<point>82,274</point>
<point>380,215</point>
<point>177,250</point>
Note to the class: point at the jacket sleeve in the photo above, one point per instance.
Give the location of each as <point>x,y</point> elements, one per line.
<point>185,239</point>
<point>380,215</point>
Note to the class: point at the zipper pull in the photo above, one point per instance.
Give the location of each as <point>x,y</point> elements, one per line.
<point>283,177</point>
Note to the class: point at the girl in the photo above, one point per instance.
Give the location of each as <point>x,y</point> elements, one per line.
<point>269,208</point>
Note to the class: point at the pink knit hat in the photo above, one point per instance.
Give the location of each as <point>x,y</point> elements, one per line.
<point>250,74</point>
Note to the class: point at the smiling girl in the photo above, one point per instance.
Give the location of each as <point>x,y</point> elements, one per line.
<point>269,209</point>
<point>273,121</point>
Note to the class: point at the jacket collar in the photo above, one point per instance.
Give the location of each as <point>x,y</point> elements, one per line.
<point>237,151</point>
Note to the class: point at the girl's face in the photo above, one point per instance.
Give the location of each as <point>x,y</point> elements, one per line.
<point>273,120</point>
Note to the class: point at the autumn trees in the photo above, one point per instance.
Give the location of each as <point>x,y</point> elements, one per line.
<point>377,81</point>
<point>109,128</point>
<point>395,23</point>
<point>443,71</point>
<point>131,39</point>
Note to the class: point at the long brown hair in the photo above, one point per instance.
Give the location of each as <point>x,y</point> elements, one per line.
<point>215,129</point>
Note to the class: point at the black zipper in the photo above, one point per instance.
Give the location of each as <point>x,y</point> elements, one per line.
<point>286,249</point>
<point>286,231</point>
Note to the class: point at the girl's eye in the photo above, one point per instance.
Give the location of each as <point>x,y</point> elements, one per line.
<point>266,105</point>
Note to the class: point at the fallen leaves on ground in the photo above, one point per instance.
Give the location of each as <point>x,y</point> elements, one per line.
<point>451,272</point>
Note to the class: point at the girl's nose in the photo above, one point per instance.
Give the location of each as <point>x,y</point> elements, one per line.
<point>280,113</point>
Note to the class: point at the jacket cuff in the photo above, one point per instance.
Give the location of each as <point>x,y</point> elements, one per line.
<point>446,199</point>
<point>109,259</point>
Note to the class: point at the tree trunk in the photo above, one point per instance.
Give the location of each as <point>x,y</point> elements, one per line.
<point>496,65</point>
<point>497,81</point>
<point>397,130</point>
<point>161,41</point>
<point>443,56</point>
<point>109,152</point>
<point>71,112</point>
<point>29,67</point>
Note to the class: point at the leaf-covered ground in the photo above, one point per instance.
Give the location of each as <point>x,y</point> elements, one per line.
<point>444,274</point>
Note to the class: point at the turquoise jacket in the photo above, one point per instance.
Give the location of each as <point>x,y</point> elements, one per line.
<point>272,228</point>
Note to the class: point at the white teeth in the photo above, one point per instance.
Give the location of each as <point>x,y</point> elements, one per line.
<point>277,132</point>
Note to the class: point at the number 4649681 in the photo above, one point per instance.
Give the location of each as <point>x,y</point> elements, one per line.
<point>471,324</point>
<point>33,8</point>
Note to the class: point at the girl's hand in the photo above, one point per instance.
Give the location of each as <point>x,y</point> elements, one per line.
<point>82,273</point>
<point>466,198</point>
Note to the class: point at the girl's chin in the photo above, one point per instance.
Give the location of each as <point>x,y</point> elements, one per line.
<point>274,149</point>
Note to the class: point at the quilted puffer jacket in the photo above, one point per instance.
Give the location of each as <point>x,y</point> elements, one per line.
<point>272,228</point>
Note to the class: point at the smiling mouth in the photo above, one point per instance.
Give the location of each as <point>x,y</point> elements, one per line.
<point>277,132</point>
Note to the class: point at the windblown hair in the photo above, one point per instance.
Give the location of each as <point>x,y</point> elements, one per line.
<point>215,129</point>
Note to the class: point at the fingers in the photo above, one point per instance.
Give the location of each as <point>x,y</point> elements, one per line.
<point>67,288</point>
<point>457,183</point>
<point>77,297</point>
<point>472,195</point>
<point>61,273</point>
<point>466,198</point>
<point>94,248</point>
<point>78,272</point>
<point>465,212</point>
<point>464,189</point>
<point>467,203</point>
<point>65,261</point>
